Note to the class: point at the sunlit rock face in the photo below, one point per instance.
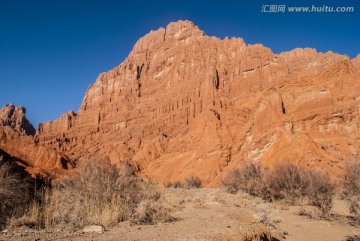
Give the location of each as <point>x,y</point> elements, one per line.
<point>186,103</point>
<point>17,140</point>
<point>14,116</point>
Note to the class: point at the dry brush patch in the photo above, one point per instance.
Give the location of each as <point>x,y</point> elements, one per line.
<point>320,192</point>
<point>191,181</point>
<point>285,181</point>
<point>15,192</point>
<point>248,178</point>
<point>258,232</point>
<point>97,194</point>
<point>353,238</point>
<point>352,188</point>
<point>296,185</point>
<point>151,212</point>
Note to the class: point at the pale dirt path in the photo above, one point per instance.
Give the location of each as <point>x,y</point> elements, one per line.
<point>209,214</point>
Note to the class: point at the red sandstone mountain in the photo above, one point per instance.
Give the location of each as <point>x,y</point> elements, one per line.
<point>17,141</point>
<point>15,118</point>
<point>185,103</point>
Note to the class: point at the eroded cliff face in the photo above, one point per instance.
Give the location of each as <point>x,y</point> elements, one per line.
<point>185,103</point>
<point>15,117</point>
<point>16,139</point>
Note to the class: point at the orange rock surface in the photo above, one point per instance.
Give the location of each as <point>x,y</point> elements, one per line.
<point>185,103</point>
<point>17,141</point>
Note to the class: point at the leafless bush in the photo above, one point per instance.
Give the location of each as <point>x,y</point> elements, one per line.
<point>193,181</point>
<point>320,192</point>
<point>176,184</point>
<point>352,188</point>
<point>287,181</point>
<point>151,212</point>
<point>311,212</point>
<point>14,192</point>
<point>248,178</point>
<point>354,207</point>
<point>352,178</point>
<point>232,182</point>
<point>295,184</point>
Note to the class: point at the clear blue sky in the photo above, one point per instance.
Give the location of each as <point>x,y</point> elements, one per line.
<point>52,50</point>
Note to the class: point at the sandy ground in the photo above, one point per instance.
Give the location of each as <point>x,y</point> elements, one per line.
<point>211,214</point>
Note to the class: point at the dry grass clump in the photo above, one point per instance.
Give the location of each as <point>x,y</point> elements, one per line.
<point>176,184</point>
<point>96,194</point>
<point>192,181</point>
<point>151,212</point>
<point>285,181</point>
<point>258,232</point>
<point>15,192</point>
<point>352,188</point>
<point>266,216</point>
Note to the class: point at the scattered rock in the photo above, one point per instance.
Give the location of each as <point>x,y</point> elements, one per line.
<point>94,229</point>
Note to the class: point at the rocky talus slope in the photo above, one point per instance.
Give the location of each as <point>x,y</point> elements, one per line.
<point>186,103</point>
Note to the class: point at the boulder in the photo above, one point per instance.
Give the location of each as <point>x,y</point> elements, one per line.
<point>94,229</point>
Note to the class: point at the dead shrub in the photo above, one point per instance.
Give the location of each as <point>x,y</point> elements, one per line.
<point>352,188</point>
<point>352,178</point>
<point>176,184</point>
<point>296,184</point>
<point>151,212</point>
<point>259,232</point>
<point>320,192</point>
<point>267,217</point>
<point>286,181</point>
<point>354,207</point>
<point>193,181</point>
<point>232,182</point>
<point>248,178</point>
<point>15,192</point>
